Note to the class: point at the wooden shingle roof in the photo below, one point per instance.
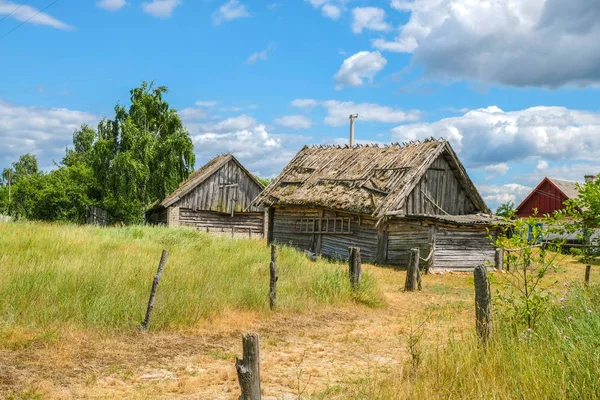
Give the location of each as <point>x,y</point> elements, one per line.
<point>366,179</point>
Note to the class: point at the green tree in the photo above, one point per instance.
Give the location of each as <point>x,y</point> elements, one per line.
<point>141,155</point>
<point>27,165</point>
<point>506,210</point>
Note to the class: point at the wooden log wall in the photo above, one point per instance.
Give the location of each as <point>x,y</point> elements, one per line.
<point>463,248</point>
<point>440,186</point>
<point>363,233</point>
<point>216,192</point>
<point>402,237</point>
<point>243,224</point>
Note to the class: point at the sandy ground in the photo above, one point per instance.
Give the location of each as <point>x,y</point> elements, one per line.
<point>309,355</point>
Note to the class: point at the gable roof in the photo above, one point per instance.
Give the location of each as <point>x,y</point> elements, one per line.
<point>566,188</point>
<point>365,179</point>
<point>201,174</point>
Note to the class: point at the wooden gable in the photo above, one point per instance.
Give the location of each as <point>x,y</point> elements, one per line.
<point>230,188</point>
<point>547,197</point>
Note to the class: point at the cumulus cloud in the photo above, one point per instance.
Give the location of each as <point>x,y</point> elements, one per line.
<point>304,103</point>
<point>358,67</point>
<point>329,8</point>
<point>31,15</point>
<point>331,11</point>
<point>542,165</point>
<point>370,18</point>
<point>491,136</point>
<point>260,55</point>
<point>496,169</point>
<point>261,152</point>
<point>229,11</point>
<point>160,8</point>
<point>494,195</point>
<point>545,43</point>
<point>338,112</point>
<point>294,122</point>
<point>111,5</point>
<point>42,131</point>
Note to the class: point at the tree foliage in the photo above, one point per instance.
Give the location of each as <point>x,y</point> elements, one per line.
<point>506,210</point>
<point>128,162</point>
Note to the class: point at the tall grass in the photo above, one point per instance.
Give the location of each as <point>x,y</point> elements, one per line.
<point>559,360</point>
<point>88,277</point>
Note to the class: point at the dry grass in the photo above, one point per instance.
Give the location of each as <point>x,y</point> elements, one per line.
<point>340,350</point>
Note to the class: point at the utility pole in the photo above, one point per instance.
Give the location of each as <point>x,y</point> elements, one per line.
<point>352,118</point>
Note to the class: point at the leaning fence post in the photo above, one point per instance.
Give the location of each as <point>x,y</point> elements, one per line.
<point>355,267</point>
<point>248,368</point>
<point>274,277</point>
<point>413,275</point>
<point>483,304</point>
<point>155,282</point>
<point>588,270</point>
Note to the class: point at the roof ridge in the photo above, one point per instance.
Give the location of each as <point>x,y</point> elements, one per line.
<point>378,145</point>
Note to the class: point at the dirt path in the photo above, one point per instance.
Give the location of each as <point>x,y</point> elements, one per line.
<point>308,354</point>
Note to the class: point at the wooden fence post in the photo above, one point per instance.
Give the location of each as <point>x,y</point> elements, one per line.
<point>413,275</point>
<point>274,277</point>
<point>588,270</point>
<point>507,261</point>
<point>155,282</point>
<point>499,259</point>
<point>248,368</point>
<point>355,267</point>
<point>483,304</point>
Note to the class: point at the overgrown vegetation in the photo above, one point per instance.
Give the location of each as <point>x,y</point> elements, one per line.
<point>57,276</point>
<point>123,166</point>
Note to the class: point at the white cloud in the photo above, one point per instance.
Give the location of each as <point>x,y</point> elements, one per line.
<point>201,103</point>
<point>371,18</point>
<point>358,67</point>
<point>329,8</point>
<point>331,11</point>
<point>542,165</point>
<point>260,55</point>
<point>546,43</point>
<point>494,195</point>
<point>338,112</point>
<point>31,15</point>
<point>229,11</point>
<point>111,5</point>
<point>294,122</point>
<point>491,136</point>
<point>42,131</point>
<point>261,152</point>
<point>160,8</point>
<point>497,169</point>
<point>304,103</point>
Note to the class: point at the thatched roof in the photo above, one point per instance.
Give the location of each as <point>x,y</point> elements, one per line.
<point>203,173</point>
<point>367,179</point>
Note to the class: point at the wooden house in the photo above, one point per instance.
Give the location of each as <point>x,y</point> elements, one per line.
<point>548,196</point>
<point>215,198</point>
<point>385,200</point>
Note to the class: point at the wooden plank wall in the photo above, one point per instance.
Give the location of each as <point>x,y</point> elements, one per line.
<point>212,196</point>
<point>403,236</point>
<point>209,221</point>
<point>440,184</point>
<point>364,233</point>
<point>462,248</point>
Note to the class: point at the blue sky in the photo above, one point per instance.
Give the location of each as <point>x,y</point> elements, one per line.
<point>512,84</point>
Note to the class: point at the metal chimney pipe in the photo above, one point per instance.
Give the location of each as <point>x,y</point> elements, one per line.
<point>352,118</point>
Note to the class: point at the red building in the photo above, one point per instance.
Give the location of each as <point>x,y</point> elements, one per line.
<point>547,197</point>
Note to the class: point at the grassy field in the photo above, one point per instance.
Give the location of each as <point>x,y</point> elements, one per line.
<point>77,294</point>
<point>58,276</point>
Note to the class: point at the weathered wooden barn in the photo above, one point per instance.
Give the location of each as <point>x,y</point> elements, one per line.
<point>215,198</point>
<point>385,200</point>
